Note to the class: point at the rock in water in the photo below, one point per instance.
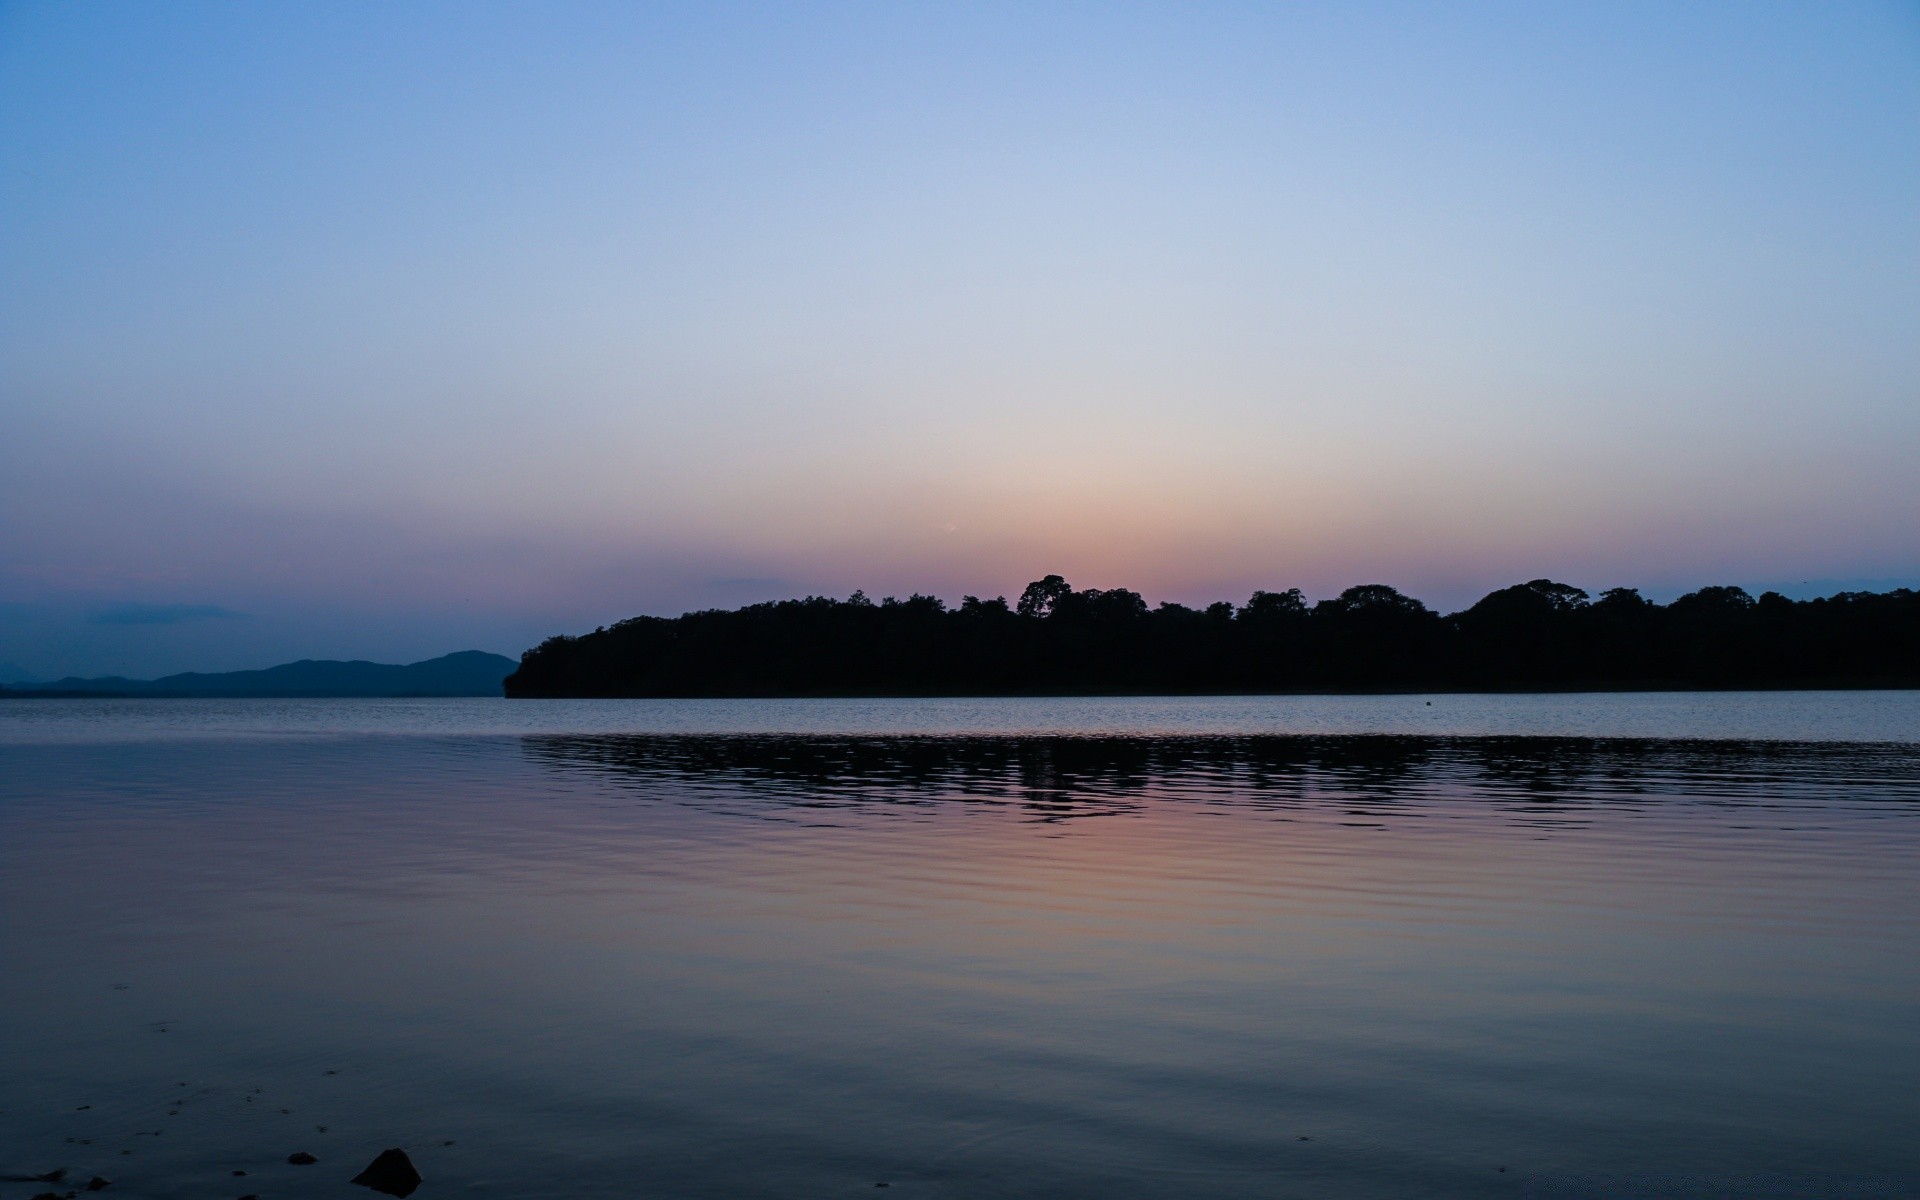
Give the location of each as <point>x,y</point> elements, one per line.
<point>302,1159</point>
<point>391,1173</point>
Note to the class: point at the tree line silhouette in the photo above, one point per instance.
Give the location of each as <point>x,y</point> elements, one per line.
<point>1059,640</point>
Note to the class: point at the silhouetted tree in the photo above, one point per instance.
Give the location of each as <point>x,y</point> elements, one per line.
<point>1372,635</point>
<point>1539,634</point>
<point>1042,594</point>
<point>1531,630</point>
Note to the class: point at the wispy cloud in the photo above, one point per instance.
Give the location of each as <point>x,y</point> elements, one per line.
<point>162,614</point>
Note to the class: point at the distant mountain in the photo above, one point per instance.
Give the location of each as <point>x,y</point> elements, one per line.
<point>14,673</point>
<point>467,673</point>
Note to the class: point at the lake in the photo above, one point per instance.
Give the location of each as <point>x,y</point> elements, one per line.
<point>1506,946</point>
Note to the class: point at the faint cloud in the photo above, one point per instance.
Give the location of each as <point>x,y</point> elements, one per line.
<point>162,614</point>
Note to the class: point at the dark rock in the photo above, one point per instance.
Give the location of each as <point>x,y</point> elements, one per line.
<point>391,1173</point>
<point>302,1159</point>
<point>237,1174</point>
<point>96,1183</point>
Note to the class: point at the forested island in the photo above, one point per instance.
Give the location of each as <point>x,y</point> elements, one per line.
<point>1057,640</point>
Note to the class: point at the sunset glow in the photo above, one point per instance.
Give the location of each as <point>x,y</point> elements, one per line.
<point>391,331</point>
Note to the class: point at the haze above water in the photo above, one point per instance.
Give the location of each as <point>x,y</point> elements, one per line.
<point>1347,947</point>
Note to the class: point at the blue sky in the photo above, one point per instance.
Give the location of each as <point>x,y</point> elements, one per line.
<point>375,330</point>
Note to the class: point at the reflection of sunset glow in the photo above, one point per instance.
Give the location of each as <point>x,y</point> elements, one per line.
<point>1095,963</point>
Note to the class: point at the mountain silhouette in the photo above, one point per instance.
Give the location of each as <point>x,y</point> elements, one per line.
<point>466,673</point>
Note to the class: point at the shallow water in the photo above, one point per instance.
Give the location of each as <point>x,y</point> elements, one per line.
<point>670,960</point>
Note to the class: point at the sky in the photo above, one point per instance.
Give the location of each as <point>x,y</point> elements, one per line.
<point>383,330</point>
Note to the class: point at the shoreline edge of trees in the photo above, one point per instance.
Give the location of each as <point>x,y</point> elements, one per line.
<point>1056,640</point>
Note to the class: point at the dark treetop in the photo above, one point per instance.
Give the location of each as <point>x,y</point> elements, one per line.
<point>1539,635</point>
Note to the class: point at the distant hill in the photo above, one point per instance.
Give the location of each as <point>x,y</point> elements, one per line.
<point>467,673</point>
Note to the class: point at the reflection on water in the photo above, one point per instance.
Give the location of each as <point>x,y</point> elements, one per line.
<point>756,965</point>
<point>1054,778</point>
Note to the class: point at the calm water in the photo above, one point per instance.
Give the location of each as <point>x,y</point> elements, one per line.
<point>1618,946</point>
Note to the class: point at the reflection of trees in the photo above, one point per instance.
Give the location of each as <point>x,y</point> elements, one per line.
<point>1052,778</point>
<point>1057,639</point>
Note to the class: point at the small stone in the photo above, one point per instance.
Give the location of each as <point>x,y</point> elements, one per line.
<point>239,1173</point>
<point>96,1183</point>
<point>391,1173</point>
<point>302,1159</point>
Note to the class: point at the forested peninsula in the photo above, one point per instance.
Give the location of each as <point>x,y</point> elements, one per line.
<point>1057,640</point>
